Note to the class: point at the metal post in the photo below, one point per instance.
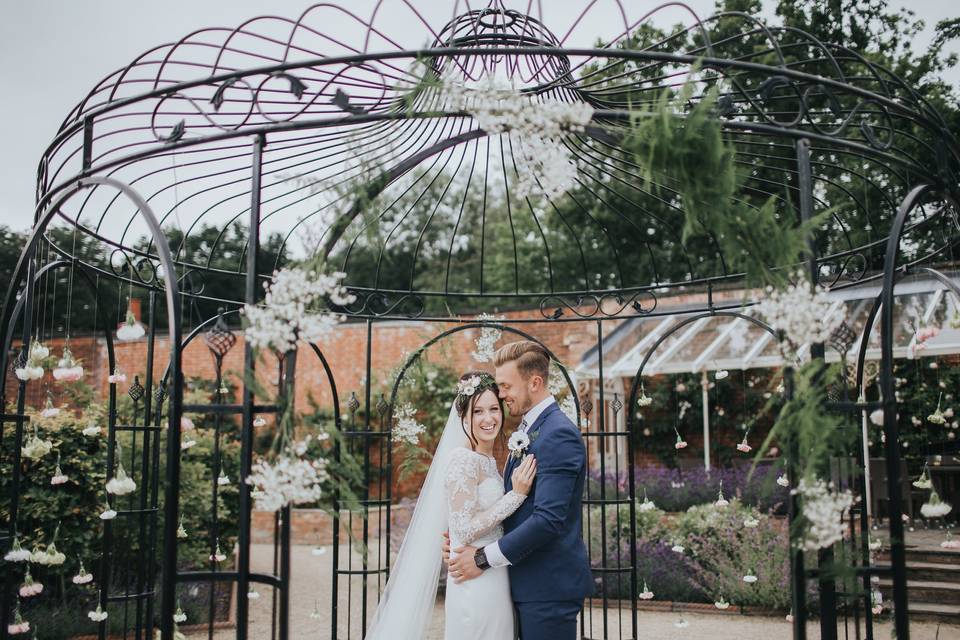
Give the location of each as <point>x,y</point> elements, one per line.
<point>249,366</point>
<point>705,397</point>
<point>828,587</point>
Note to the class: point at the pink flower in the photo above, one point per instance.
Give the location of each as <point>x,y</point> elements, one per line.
<point>68,374</point>
<point>117,377</point>
<point>186,424</point>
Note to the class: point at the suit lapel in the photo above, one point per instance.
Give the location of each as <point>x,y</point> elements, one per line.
<point>533,432</point>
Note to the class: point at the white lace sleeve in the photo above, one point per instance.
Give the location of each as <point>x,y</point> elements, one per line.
<point>467,521</point>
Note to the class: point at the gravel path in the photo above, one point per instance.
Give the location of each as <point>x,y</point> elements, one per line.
<point>311,589</point>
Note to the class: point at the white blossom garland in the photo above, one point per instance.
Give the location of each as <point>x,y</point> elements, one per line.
<point>295,308</point>
<point>407,429</point>
<point>544,164</point>
<point>288,479</point>
<point>823,508</point>
<point>801,313</point>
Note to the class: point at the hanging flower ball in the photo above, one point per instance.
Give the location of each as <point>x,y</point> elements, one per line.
<point>83,576</point>
<point>30,588</point>
<point>644,400</point>
<point>68,369</point>
<point>253,594</point>
<point>950,542</point>
<point>217,555</point>
<point>875,545</point>
<point>29,372</point>
<point>117,376</point>
<point>749,578</point>
<point>782,481</point>
<point>187,444</point>
<point>318,551</point>
<point>35,447</point>
<point>876,417</point>
<point>789,616</point>
<point>721,374</point>
<point>259,421</point>
<point>19,625</point>
<point>647,504</point>
<point>721,501</point>
<point>680,443</point>
<point>937,417</point>
<point>17,553</point>
<point>681,624</point>
<point>130,329</point>
<point>179,617</point>
<point>751,523</point>
<point>677,548</point>
<point>58,476</point>
<point>99,615</point>
<point>680,388</point>
<point>744,447</point>
<point>646,594</point>
<point>315,614</point>
<point>50,411</point>
<point>108,513</point>
<point>223,480</point>
<point>876,599</point>
<point>721,604</point>
<point>121,484</point>
<point>935,507</point>
<point>934,364</point>
<point>92,430</point>
<point>181,530</point>
<point>186,424</point>
<point>923,482</point>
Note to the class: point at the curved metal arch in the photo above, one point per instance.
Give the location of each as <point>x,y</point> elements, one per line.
<point>44,216</point>
<point>888,401</point>
<point>635,385</point>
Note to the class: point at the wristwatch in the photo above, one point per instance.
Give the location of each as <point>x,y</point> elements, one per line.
<point>480,558</point>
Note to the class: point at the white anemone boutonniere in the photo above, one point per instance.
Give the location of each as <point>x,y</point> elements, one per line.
<point>518,444</point>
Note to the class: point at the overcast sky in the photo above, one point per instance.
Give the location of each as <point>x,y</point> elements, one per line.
<point>55,51</point>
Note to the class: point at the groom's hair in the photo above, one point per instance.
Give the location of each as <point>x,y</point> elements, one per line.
<point>531,358</point>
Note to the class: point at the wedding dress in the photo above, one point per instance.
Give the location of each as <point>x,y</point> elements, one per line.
<point>462,493</point>
<point>478,609</point>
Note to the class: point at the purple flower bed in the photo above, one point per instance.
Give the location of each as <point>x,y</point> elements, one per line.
<point>678,490</point>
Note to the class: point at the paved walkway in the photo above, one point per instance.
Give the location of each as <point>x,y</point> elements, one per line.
<point>311,589</point>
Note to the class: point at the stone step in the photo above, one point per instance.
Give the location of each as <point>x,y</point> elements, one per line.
<point>931,571</point>
<point>933,612</point>
<point>924,591</point>
<point>942,556</point>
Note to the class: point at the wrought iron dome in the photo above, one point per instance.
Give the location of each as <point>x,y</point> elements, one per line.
<point>358,160</point>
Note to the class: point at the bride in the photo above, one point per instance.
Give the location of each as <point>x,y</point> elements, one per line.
<point>462,493</point>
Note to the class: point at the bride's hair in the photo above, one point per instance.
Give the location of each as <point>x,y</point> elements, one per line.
<point>464,402</point>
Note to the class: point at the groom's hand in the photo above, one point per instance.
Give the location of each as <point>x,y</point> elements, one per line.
<point>464,567</point>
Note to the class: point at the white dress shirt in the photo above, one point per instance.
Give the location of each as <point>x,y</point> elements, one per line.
<point>494,556</point>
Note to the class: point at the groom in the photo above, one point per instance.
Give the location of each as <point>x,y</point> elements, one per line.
<point>542,544</point>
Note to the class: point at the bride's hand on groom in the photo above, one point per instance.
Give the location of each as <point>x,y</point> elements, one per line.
<point>523,476</point>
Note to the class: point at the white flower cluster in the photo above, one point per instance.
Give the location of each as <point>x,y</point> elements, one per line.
<point>35,448</point>
<point>544,163</point>
<point>489,336</point>
<point>130,329</point>
<point>290,479</point>
<point>824,509</point>
<point>68,369</point>
<point>121,484</point>
<point>935,507</point>
<point>406,428</point>
<point>801,313</point>
<point>469,386</point>
<point>294,308</point>
<point>33,368</point>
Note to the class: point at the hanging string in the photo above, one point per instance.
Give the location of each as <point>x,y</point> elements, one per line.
<point>73,257</point>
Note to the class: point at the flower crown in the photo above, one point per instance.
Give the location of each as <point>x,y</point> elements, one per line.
<point>469,386</point>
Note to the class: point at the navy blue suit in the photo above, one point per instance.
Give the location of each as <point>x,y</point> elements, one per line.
<point>549,568</point>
